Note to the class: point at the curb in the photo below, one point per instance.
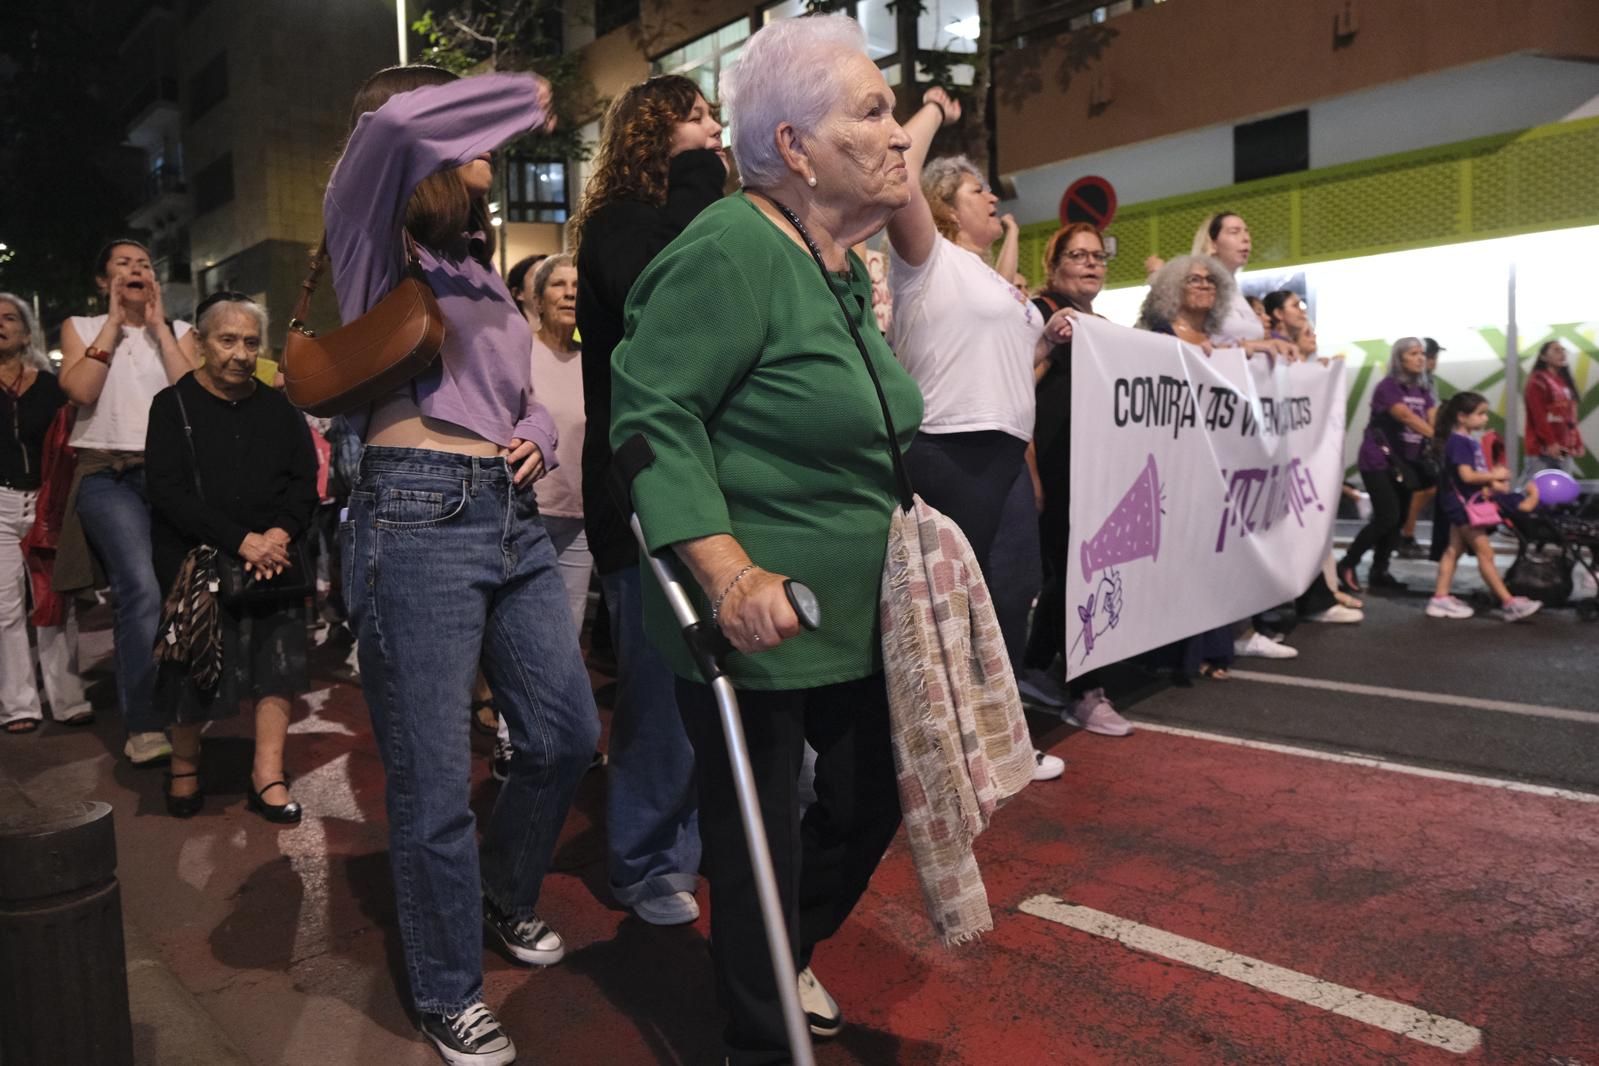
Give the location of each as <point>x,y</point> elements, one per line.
<point>170,1028</point>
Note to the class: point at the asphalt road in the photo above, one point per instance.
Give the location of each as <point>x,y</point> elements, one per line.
<point>1481,696</point>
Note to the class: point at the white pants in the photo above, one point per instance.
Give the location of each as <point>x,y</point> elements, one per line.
<point>58,645</point>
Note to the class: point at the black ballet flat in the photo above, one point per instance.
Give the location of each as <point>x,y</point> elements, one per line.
<point>281,813</point>
<point>184,806</point>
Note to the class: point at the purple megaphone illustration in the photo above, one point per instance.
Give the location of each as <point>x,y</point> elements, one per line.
<point>1133,529</point>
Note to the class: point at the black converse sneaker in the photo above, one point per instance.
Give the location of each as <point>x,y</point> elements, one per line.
<point>471,1038</point>
<point>529,940</point>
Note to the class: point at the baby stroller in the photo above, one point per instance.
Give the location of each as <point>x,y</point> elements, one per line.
<point>1549,545</point>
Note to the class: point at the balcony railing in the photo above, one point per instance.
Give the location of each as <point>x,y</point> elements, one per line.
<point>163,180</point>
<point>156,91</point>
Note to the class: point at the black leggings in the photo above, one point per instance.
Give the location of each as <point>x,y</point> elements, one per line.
<point>1390,503</point>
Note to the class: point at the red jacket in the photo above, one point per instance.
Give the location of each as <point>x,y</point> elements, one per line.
<point>59,463</point>
<point>1551,413</point>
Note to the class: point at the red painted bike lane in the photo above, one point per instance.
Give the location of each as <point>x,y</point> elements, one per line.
<point>1474,903</point>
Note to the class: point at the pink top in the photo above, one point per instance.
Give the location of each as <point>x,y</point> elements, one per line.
<point>481,380</point>
<point>560,378</point>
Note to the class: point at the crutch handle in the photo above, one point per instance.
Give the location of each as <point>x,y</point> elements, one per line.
<point>803,600</point>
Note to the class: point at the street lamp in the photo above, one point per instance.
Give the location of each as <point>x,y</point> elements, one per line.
<point>402,30</point>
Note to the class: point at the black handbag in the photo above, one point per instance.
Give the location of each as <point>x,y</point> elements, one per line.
<point>236,585</point>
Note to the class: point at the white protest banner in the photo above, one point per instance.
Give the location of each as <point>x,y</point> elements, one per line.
<point>1203,488</point>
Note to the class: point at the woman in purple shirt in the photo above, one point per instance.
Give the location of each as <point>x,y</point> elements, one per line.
<point>1390,461</point>
<point>444,499</point>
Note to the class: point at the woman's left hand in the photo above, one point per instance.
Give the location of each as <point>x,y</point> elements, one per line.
<point>1058,330</point>
<point>756,615</point>
<point>526,461</point>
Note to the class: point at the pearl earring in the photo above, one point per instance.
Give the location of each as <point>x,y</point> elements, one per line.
<point>811,182</point>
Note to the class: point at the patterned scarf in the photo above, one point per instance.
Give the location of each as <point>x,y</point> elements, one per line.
<point>961,746</point>
<point>191,627</point>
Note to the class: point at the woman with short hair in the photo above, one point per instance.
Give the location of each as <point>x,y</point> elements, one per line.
<point>772,459</point>
<point>112,365</point>
<point>230,465</point>
<point>658,166</point>
<point>468,572</point>
<point>1391,451</point>
<point>30,399</point>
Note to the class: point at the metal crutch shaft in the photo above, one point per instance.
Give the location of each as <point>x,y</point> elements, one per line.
<point>707,643</point>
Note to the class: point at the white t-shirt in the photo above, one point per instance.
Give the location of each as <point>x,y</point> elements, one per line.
<point>967,337</point>
<point>1241,323</point>
<point>558,385</point>
<point>116,422</point>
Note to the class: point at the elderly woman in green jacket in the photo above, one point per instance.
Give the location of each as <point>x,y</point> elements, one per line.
<point>772,460</point>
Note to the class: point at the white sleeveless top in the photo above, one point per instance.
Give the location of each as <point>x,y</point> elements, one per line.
<point>117,421</point>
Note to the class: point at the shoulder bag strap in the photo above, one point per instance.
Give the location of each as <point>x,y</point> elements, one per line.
<point>901,478</point>
<point>188,437</point>
<point>302,306</point>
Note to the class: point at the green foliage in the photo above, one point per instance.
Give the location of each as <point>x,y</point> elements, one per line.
<point>472,36</point>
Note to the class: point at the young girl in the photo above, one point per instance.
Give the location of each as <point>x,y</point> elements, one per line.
<point>1466,472</point>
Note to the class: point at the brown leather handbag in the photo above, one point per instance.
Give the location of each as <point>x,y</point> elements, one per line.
<point>365,360</point>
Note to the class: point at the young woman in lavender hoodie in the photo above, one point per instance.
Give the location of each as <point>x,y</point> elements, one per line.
<point>446,561</point>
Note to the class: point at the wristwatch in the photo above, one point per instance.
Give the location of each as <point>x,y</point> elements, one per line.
<point>98,353</point>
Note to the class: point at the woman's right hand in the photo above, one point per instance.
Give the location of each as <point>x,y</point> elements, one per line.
<point>542,87</point>
<point>116,313</point>
<point>262,556</point>
<point>756,615</point>
<point>945,103</point>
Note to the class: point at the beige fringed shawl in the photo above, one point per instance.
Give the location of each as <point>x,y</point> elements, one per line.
<point>961,746</point>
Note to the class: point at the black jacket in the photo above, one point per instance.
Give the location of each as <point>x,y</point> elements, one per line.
<point>617,243</point>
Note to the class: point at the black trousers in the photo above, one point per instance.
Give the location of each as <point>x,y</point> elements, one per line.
<point>823,862</point>
<point>1390,503</point>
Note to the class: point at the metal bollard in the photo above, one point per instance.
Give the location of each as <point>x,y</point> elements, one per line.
<point>63,970</point>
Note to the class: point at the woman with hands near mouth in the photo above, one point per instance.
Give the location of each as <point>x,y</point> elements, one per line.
<point>112,366</point>
<point>973,343</point>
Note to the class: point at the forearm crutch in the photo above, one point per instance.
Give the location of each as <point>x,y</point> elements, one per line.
<point>707,645</point>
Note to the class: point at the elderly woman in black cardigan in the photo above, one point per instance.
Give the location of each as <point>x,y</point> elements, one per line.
<point>255,494</point>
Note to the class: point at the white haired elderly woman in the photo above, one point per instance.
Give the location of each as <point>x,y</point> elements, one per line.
<point>771,460</point>
<point>972,341</point>
<point>30,399</point>
<point>229,464</point>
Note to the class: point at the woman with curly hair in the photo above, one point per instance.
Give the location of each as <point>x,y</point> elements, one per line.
<point>660,163</point>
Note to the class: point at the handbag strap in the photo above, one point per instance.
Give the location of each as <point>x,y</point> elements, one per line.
<point>188,437</point>
<point>302,306</point>
<point>901,478</point>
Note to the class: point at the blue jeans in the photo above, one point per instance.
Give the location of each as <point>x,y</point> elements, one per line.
<point>115,513</point>
<point>652,810</point>
<point>445,566</point>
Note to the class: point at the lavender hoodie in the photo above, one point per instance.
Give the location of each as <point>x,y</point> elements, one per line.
<point>482,378</point>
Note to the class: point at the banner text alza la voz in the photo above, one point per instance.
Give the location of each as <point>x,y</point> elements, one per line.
<point>1203,488</point>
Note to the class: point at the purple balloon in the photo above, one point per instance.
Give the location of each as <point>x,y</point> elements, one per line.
<point>1556,487</point>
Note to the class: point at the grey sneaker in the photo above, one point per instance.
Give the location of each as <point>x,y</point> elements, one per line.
<point>142,749</point>
<point>679,908</point>
<point>1518,608</point>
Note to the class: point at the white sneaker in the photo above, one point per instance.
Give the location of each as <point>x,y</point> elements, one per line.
<point>679,908</point>
<point>1518,608</point>
<point>1337,613</point>
<point>1048,767</point>
<point>1263,647</point>
<point>820,1011</point>
<point>145,748</point>
<point>1447,607</point>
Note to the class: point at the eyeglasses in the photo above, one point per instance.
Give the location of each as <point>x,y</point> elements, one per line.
<point>224,296</point>
<point>1082,255</point>
<point>1200,281</point>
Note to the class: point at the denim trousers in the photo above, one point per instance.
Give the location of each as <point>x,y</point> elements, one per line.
<point>116,518</point>
<point>651,807</point>
<point>447,565</point>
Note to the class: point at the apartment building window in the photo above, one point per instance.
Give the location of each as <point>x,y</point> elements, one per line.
<point>703,60</point>
<point>213,184</point>
<point>209,86</point>
<point>536,190</point>
<point>1272,146</point>
<point>613,14</point>
<point>875,16</point>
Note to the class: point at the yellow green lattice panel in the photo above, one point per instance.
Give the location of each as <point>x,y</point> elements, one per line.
<point>1540,179</point>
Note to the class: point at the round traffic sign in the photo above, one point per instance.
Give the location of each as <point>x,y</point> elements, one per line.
<point>1091,199</point>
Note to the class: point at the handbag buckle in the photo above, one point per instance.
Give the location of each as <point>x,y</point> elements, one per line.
<point>301,328</point>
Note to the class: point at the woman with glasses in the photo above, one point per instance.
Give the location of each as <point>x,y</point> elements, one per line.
<point>112,365</point>
<point>973,343</point>
<point>1188,299</point>
<point>230,465</point>
<point>1074,263</point>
